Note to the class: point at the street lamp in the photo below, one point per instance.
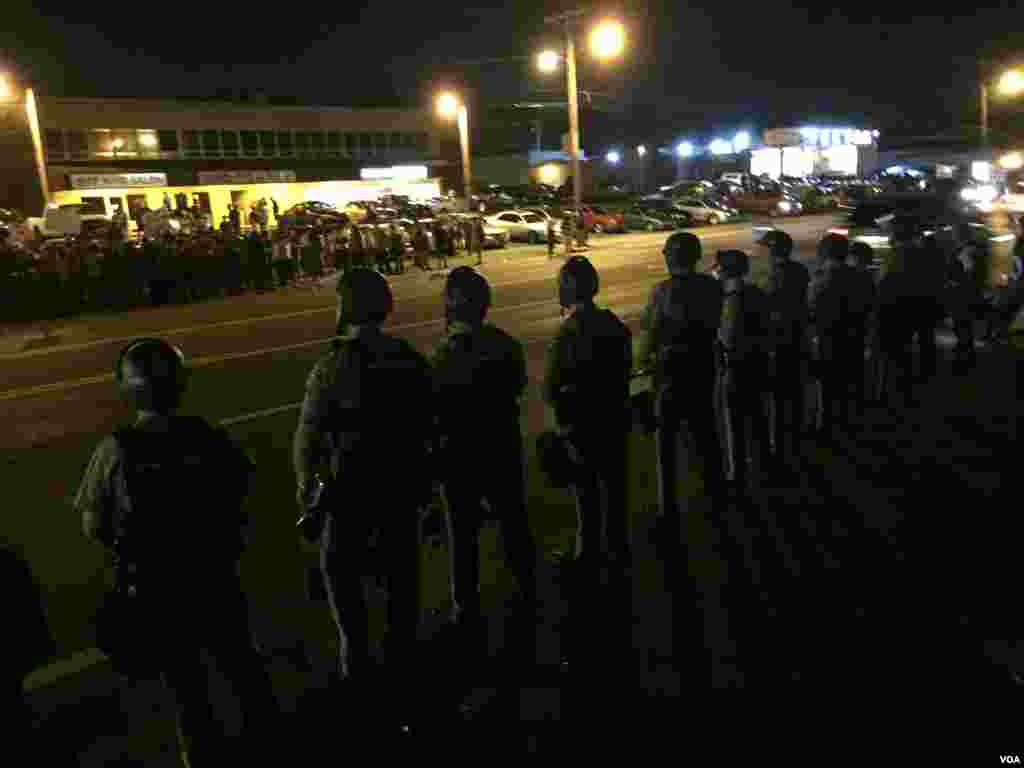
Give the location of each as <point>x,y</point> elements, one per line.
<point>607,39</point>
<point>1010,83</point>
<point>720,147</point>
<point>641,150</point>
<point>684,149</point>
<point>613,157</point>
<point>449,106</point>
<point>547,61</point>
<point>741,142</point>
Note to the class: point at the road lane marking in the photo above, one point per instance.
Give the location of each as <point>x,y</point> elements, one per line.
<point>188,330</point>
<point>203,362</point>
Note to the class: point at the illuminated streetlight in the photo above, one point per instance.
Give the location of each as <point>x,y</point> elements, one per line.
<point>741,142</point>
<point>1012,161</point>
<point>547,61</point>
<point>447,105</point>
<point>608,39</point>
<point>1011,83</point>
<point>612,157</point>
<point>641,150</point>
<point>684,149</point>
<point>5,88</point>
<point>720,147</point>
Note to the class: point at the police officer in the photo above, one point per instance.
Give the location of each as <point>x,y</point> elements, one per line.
<point>743,338</point>
<point>788,283</point>
<point>165,496</point>
<point>586,383</point>
<point>679,325</point>
<point>841,308</point>
<point>480,374</point>
<point>863,257</point>
<point>352,394</point>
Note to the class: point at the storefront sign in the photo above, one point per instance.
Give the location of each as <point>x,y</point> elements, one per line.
<point>246,177</point>
<point>117,180</point>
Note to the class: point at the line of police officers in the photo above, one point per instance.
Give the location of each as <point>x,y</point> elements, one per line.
<point>707,341</point>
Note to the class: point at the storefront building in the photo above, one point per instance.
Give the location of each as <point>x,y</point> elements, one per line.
<point>815,151</point>
<point>135,151</point>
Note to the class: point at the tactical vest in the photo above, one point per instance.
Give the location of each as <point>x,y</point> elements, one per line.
<point>168,477</point>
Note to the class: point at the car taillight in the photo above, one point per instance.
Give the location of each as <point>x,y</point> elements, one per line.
<point>839,231</point>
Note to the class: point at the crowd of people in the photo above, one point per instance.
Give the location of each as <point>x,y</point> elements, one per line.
<point>729,360</point>
<point>110,271</point>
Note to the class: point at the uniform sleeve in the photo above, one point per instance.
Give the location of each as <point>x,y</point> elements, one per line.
<point>519,360</point>
<point>309,433</point>
<point>648,330</point>
<point>95,500</point>
<point>728,333</point>
<point>553,369</point>
<point>241,466</point>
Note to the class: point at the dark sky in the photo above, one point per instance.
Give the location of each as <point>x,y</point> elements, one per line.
<point>729,62</point>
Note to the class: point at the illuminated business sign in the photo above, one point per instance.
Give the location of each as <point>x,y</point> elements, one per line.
<point>246,177</point>
<point>117,180</point>
<point>403,172</point>
<point>815,136</point>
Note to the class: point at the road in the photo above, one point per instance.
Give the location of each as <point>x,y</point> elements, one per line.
<point>62,391</point>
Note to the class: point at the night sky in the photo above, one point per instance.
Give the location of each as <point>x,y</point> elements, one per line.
<point>883,64</point>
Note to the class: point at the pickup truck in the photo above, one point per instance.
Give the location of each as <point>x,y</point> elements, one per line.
<point>61,221</point>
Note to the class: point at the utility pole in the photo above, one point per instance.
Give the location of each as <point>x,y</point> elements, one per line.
<point>567,21</point>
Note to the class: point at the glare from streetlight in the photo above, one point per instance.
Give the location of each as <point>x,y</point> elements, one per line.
<point>684,149</point>
<point>720,147</point>
<point>1011,83</point>
<point>547,61</point>
<point>5,88</point>
<point>613,157</point>
<point>447,104</point>
<point>1012,161</point>
<point>741,142</point>
<point>608,39</point>
<point>641,150</point>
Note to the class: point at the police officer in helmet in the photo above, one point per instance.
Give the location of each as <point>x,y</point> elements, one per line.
<point>744,347</point>
<point>788,283</point>
<point>165,497</point>
<point>353,394</point>
<point>586,383</point>
<point>479,378</point>
<point>679,326</point>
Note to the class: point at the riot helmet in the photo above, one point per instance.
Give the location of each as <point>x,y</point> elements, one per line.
<point>834,248</point>
<point>778,242</point>
<point>151,375</point>
<point>682,251</point>
<point>364,298</point>
<point>467,295</point>
<point>577,282</point>
<point>732,264</point>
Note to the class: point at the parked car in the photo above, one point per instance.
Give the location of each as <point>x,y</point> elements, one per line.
<point>521,225</point>
<point>702,211</point>
<point>666,210</point>
<point>61,221</point>
<point>636,219</point>
<point>604,220</point>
